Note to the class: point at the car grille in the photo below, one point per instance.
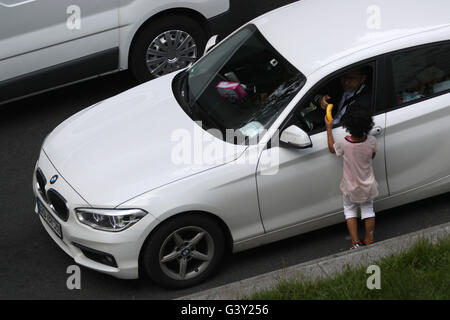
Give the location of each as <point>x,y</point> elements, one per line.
<point>52,197</point>
<point>41,182</point>
<point>58,204</point>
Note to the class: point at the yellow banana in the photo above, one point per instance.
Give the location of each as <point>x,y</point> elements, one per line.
<point>329,108</point>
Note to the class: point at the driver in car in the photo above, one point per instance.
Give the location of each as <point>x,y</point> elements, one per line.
<point>355,89</point>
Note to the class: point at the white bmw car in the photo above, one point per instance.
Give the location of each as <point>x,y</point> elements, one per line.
<point>231,153</point>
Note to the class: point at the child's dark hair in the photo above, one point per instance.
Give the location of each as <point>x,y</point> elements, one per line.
<point>357,120</point>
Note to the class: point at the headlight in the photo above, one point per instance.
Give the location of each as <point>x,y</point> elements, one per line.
<point>113,220</point>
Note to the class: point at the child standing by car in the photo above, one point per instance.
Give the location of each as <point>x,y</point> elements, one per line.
<point>358,184</point>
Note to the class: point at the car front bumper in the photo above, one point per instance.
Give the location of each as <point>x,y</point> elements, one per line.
<point>123,246</point>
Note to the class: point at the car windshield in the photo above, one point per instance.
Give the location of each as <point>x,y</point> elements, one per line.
<point>242,85</point>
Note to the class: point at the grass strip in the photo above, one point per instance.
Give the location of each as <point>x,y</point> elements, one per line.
<point>422,272</point>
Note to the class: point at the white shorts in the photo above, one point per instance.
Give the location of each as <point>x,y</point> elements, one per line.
<point>351,209</point>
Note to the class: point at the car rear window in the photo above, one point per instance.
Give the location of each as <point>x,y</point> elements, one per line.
<point>421,72</point>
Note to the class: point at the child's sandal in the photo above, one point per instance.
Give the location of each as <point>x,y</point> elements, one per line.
<point>356,245</point>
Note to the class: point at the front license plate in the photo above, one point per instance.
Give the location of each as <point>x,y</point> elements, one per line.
<point>47,216</point>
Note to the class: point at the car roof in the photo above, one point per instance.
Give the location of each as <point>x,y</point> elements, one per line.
<point>313,33</point>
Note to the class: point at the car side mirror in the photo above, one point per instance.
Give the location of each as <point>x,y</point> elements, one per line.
<point>294,137</point>
<point>211,43</point>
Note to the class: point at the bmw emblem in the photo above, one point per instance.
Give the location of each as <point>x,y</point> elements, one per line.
<point>53,179</point>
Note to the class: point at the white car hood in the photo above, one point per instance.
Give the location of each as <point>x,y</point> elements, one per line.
<point>122,147</point>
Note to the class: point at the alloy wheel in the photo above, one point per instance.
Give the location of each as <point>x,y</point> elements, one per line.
<point>186,253</point>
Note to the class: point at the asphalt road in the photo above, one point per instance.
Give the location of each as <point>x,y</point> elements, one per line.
<point>33,267</point>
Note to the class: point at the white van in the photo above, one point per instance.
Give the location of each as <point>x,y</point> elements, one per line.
<point>49,43</point>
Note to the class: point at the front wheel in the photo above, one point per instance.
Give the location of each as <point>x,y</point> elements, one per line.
<point>165,45</point>
<point>184,251</point>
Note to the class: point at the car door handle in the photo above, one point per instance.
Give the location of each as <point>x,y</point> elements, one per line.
<point>15,4</point>
<point>375,131</point>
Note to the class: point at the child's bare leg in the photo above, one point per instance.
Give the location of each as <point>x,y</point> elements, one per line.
<point>370,228</point>
<point>352,225</point>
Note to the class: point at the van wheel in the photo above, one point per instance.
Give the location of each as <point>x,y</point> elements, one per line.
<point>165,45</point>
<point>184,251</point>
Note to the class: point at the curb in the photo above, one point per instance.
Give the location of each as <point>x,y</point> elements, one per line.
<point>321,268</point>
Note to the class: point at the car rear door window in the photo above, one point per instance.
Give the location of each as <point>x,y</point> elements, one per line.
<point>420,73</point>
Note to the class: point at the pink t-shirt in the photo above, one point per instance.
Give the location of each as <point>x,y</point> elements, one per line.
<point>358,180</point>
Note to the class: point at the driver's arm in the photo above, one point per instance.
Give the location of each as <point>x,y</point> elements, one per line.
<point>321,100</point>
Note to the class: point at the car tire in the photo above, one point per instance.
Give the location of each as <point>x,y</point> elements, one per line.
<point>184,251</point>
<point>165,55</point>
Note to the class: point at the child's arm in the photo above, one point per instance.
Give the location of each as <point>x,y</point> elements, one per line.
<point>330,135</point>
